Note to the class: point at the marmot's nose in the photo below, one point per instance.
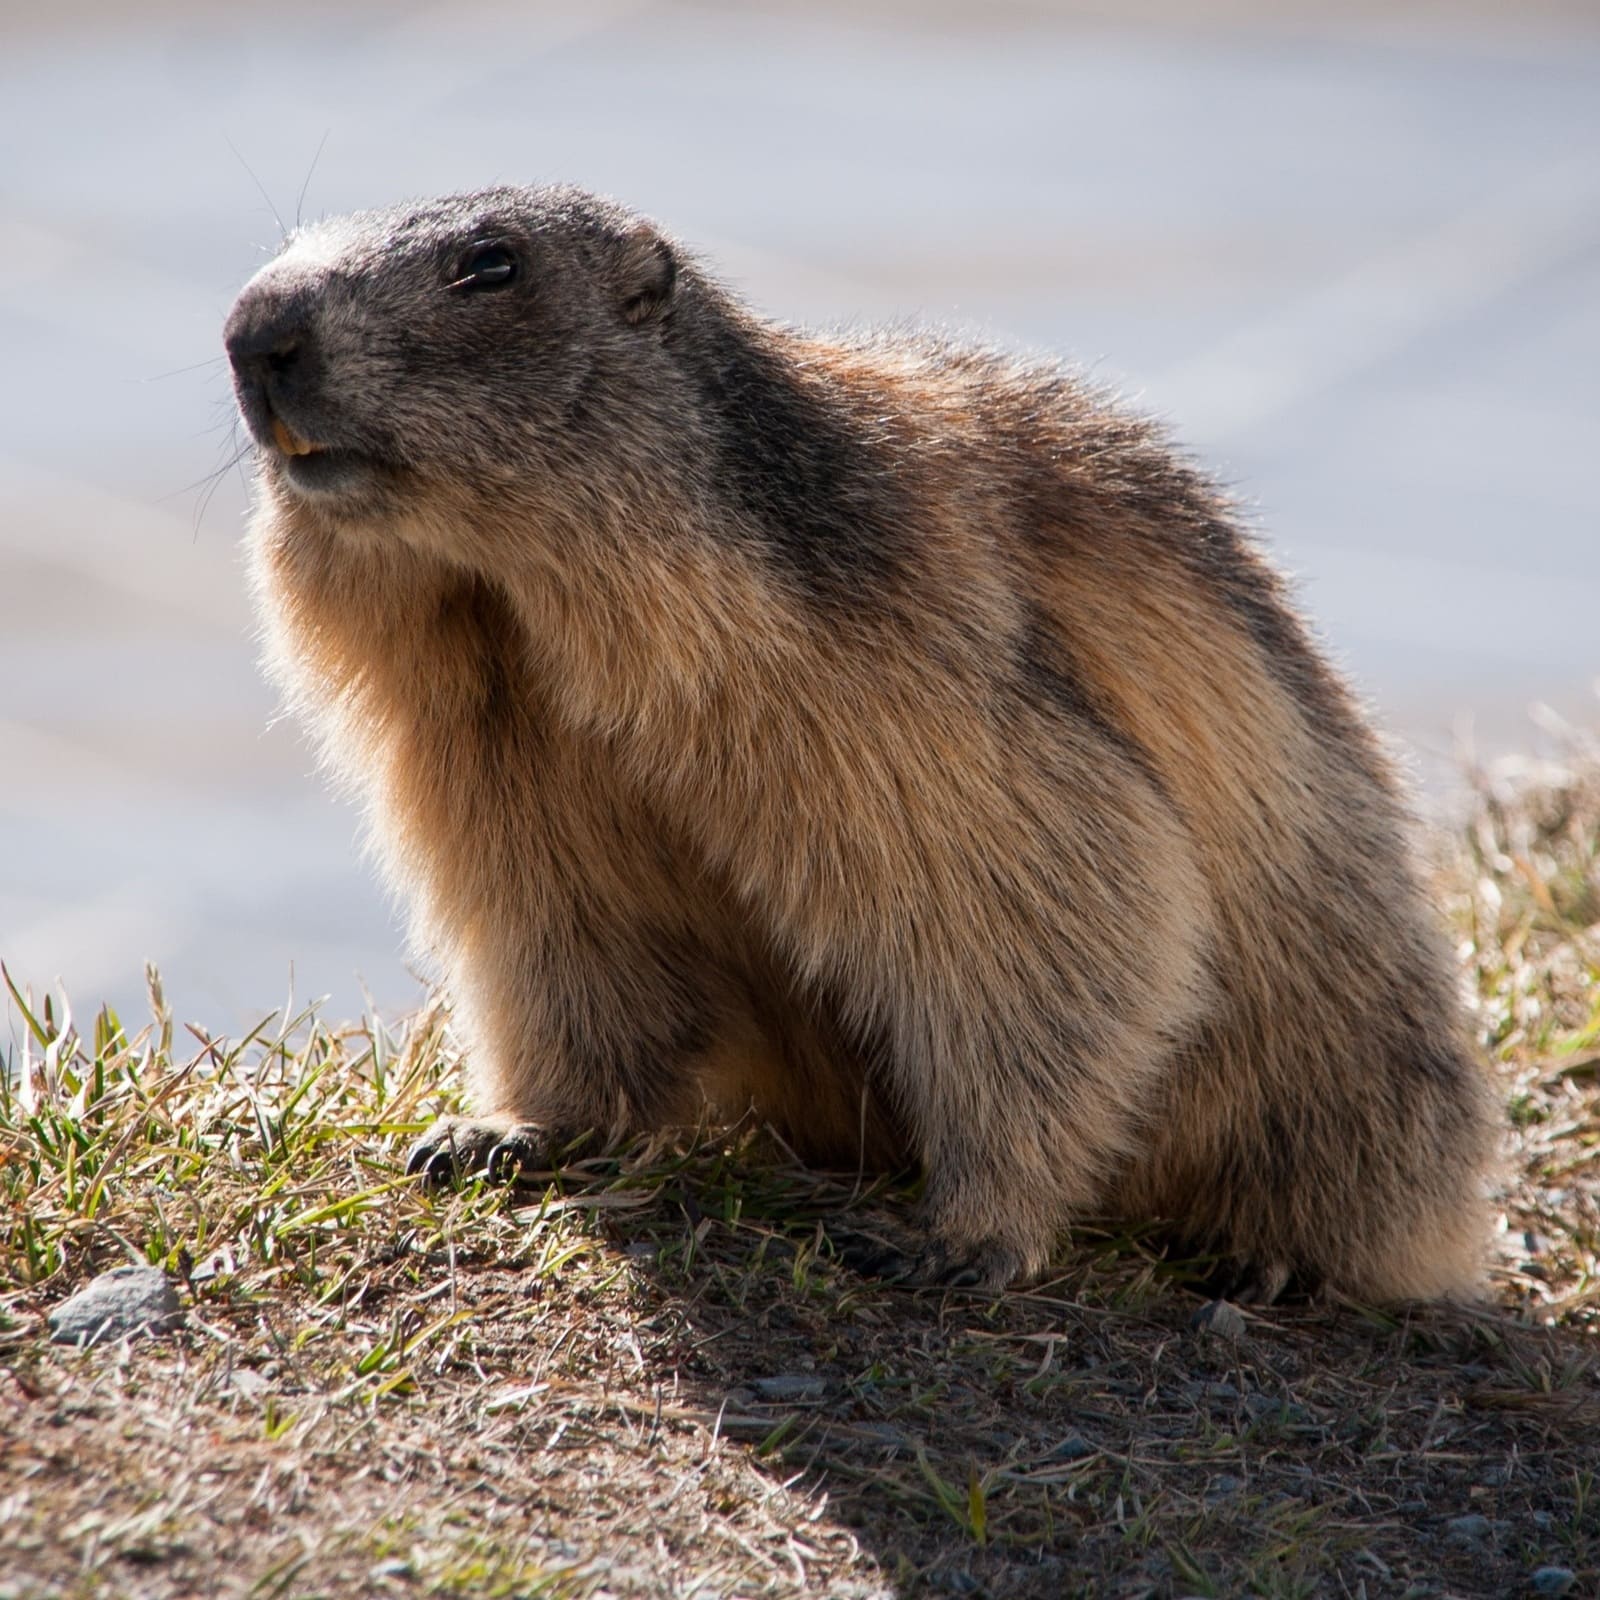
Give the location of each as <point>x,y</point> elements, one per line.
<point>265,334</point>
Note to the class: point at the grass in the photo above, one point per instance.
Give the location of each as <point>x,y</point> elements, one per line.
<point>648,1376</point>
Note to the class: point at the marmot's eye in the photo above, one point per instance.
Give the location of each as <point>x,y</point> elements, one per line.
<point>486,266</point>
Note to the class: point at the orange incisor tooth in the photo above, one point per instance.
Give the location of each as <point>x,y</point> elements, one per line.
<point>289,441</point>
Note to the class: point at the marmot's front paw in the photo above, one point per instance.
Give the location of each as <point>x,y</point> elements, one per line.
<point>456,1148</point>
<point>934,1264</point>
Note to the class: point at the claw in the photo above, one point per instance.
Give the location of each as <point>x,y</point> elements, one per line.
<point>933,1266</point>
<point>452,1150</point>
<point>1250,1283</point>
<point>438,1165</point>
<point>440,1169</point>
<point>504,1163</point>
<point>871,1257</point>
<point>433,1163</point>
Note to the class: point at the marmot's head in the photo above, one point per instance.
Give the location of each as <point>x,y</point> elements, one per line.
<point>457,346</point>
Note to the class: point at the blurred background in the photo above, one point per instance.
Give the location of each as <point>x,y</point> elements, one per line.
<point>1351,250</point>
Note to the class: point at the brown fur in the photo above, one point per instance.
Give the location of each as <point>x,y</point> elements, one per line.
<point>1026,837</point>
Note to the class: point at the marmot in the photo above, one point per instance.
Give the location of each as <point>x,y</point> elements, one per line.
<point>889,734</point>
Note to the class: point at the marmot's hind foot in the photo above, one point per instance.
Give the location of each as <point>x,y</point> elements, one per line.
<point>1259,1283</point>
<point>457,1148</point>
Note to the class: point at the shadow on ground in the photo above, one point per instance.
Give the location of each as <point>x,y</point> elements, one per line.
<point>1088,1437</point>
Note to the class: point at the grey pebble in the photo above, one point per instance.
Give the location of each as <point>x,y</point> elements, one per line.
<point>1269,1405</point>
<point>1221,1318</point>
<point>1553,1580</point>
<point>786,1390</point>
<point>1073,1448</point>
<point>117,1304</point>
<point>888,1436</point>
<point>1208,1389</point>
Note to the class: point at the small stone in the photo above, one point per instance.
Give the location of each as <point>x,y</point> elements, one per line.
<point>790,1389</point>
<point>1268,1407</point>
<point>395,1567</point>
<point>881,1433</point>
<point>1553,1580</point>
<point>117,1305</point>
<point>1221,1318</point>
<point>1214,1390</point>
<point>1469,1527</point>
<point>1073,1448</point>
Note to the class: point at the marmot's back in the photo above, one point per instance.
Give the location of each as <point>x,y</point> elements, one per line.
<point>893,735</point>
<point>1330,1078</point>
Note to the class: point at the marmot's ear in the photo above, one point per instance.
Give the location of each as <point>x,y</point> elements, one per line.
<point>646,274</point>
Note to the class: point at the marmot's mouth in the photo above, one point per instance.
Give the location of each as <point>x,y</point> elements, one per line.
<point>292,443</point>
<point>328,472</point>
